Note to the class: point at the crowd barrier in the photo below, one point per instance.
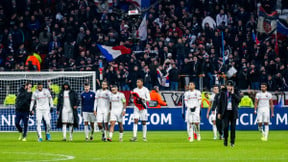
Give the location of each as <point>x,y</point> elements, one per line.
<point>160,119</point>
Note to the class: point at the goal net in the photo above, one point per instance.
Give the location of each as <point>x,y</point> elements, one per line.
<point>10,82</point>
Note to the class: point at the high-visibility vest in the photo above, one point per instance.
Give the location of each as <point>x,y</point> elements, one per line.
<point>246,101</point>
<point>205,103</point>
<point>10,99</point>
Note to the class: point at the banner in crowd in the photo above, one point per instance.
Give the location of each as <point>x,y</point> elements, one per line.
<point>160,119</point>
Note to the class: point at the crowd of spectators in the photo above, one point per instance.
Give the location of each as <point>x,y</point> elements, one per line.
<point>177,50</point>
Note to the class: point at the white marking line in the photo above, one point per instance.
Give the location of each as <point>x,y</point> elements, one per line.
<point>57,157</point>
<point>173,159</point>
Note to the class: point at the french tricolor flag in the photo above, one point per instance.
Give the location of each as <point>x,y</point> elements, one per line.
<point>112,53</point>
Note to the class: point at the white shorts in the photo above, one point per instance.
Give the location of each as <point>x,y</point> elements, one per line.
<point>263,115</point>
<point>102,117</point>
<point>89,117</point>
<point>116,116</point>
<point>140,114</point>
<point>193,117</point>
<point>40,114</point>
<point>213,116</point>
<point>67,116</point>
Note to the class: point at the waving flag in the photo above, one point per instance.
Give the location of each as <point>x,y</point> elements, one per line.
<point>143,29</point>
<point>140,3</point>
<point>281,28</point>
<point>279,104</point>
<point>255,38</point>
<point>266,22</point>
<point>112,53</point>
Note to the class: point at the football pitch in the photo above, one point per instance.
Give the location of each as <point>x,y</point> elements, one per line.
<point>161,146</point>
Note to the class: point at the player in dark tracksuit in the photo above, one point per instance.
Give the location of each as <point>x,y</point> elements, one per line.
<point>22,109</point>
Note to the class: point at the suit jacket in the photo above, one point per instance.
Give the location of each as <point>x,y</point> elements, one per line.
<point>216,102</point>
<point>222,105</point>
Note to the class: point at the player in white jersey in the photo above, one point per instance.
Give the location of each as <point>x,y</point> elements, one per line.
<point>140,112</point>
<point>213,114</point>
<point>118,110</point>
<point>102,108</point>
<point>44,103</point>
<point>264,103</point>
<point>192,99</point>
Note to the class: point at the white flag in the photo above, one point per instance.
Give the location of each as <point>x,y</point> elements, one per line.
<point>143,29</point>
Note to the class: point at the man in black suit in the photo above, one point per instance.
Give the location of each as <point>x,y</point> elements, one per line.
<point>228,110</point>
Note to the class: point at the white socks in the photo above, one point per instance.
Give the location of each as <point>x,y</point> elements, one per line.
<point>191,130</point>
<point>214,130</point>
<point>86,130</point>
<point>144,129</point>
<point>188,128</point>
<point>266,132</point>
<point>135,129</point>
<point>197,129</point>
<point>39,129</point>
<point>64,129</point>
<point>110,135</point>
<point>71,132</point>
<point>121,135</point>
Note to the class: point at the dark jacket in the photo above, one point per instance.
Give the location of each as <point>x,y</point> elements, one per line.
<point>23,100</point>
<point>173,75</point>
<point>215,103</point>
<point>74,101</point>
<point>222,105</point>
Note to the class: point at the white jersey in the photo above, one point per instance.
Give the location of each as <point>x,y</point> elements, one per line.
<point>192,99</point>
<point>66,102</point>
<point>212,97</point>
<point>143,93</point>
<point>263,99</point>
<point>117,101</point>
<point>43,100</point>
<point>102,100</point>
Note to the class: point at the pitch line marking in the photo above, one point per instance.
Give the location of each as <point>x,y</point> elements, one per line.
<point>58,157</point>
<point>169,159</point>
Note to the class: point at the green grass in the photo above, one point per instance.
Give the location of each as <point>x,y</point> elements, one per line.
<point>162,146</point>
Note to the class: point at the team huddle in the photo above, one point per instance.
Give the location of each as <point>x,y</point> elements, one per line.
<point>105,106</point>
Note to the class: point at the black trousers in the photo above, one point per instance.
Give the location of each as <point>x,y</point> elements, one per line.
<point>219,125</point>
<point>24,116</point>
<point>229,121</point>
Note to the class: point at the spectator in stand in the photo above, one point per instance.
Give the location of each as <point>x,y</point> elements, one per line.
<point>174,77</point>
<point>66,34</point>
<point>133,76</point>
<point>254,76</point>
<point>221,18</point>
<point>147,77</point>
<point>195,71</point>
<point>243,78</point>
<point>33,63</point>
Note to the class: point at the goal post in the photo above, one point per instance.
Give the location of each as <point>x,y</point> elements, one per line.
<point>10,82</point>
